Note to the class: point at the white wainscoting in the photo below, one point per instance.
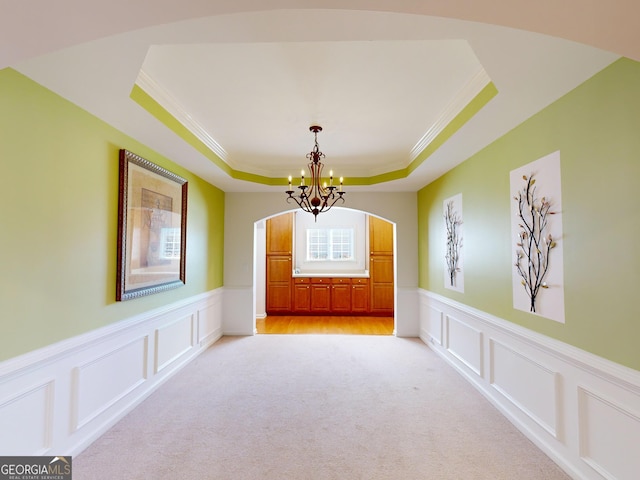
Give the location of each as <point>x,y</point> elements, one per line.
<point>239,314</point>
<point>580,409</point>
<point>406,312</point>
<point>59,399</point>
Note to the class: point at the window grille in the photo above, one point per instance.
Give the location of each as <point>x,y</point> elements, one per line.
<point>330,244</point>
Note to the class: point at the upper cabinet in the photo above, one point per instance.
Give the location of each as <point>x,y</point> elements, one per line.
<point>279,234</point>
<point>380,236</point>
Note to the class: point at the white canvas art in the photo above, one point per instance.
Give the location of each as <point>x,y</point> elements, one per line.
<point>536,238</point>
<point>453,256</point>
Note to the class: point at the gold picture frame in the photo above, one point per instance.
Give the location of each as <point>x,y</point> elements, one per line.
<point>152,228</point>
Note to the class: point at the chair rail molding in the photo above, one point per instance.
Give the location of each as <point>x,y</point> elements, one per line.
<point>579,408</point>
<point>64,396</point>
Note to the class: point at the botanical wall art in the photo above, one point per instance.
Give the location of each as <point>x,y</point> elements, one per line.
<point>152,220</point>
<point>537,238</point>
<point>452,214</point>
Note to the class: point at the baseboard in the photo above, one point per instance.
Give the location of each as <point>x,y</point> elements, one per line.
<point>580,409</point>
<point>60,398</point>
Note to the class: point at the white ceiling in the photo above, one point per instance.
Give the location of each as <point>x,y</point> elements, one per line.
<point>253,82</point>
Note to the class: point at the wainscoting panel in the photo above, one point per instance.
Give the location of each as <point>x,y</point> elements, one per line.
<point>530,386</point>
<point>210,323</point>
<point>614,457</point>
<point>237,311</point>
<point>465,343</point>
<point>406,313</point>
<point>173,340</point>
<point>97,388</point>
<point>60,398</point>
<point>581,410</point>
<point>32,433</point>
<point>431,325</point>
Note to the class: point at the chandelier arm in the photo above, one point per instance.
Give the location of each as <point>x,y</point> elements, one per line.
<point>302,200</point>
<point>332,204</point>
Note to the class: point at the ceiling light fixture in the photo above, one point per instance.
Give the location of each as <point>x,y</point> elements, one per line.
<point>316,198</point>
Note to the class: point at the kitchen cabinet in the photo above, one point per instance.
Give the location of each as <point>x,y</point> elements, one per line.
<point>301,295</point>
<point>279,264</point>
<point>279,233</point>
<point>360,295</point>
<point>341,295</point>
<point>381,267</point>
<point>278,284</point>
<point>286,294</point>
<point>380,236</point>
<point>381,285</point>
<point>321,295</point>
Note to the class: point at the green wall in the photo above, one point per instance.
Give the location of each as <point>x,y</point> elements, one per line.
<point>58,212</point>
<point>596,128</point>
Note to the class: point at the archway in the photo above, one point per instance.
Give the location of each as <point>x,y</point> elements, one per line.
<point>355,294</point>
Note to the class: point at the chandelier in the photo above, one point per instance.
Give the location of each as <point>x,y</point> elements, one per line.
<point>315,198</point>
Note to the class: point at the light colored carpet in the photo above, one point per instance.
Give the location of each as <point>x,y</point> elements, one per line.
<point>315,407</point>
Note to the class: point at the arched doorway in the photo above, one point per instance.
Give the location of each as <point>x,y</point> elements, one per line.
<point>334,274</point>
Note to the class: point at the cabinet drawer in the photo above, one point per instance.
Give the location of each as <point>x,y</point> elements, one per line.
<point>341,281</point>
<point>323,280</point>
<point>360,281</point>
<point>301,280</point>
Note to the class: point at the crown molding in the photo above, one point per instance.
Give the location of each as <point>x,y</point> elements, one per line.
<point>472,88</point>
<point>171,105</point>
<point>475,94</point>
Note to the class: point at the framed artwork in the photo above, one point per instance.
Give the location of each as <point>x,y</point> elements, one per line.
<point>537,238</point>
<point>454,253</point>
<point>152,228</point>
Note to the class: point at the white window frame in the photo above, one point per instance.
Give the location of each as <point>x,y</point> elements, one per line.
<point>170,243</point>
<point>327,239</point>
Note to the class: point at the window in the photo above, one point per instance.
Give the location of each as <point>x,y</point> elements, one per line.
<point>170,243</point>
<point>330,244</point>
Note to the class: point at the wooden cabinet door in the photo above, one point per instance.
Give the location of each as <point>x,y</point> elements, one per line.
<point>301,295</point>
<point>381,284</point>
<point>382,299</point>
<point>279,265</point>
<point>381,266</point>
<point>320,295</point>
<point>380,236</point>
<point>360,295</point>
<point>340,295</point>
<point>280,234</point>
<point>381,269</point>
<point>278,288</point>
<point>279,269</point>
<point>278,299</point>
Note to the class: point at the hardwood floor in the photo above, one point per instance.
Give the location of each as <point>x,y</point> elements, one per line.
<point>348,325</point>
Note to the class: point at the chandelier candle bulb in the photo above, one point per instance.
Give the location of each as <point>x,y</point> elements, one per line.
<point>289,182</point>
<point>330,177</point>
<point>340,183</point>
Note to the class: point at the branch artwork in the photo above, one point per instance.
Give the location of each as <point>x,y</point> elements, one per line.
<point>454,241</point>
<point>535,244</point>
